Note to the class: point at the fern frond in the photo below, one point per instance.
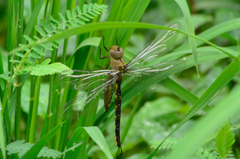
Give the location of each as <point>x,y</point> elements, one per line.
<point>18,54</point>
<point>168,144</point>
<point>209,153</point>
<point>21,148</point>
<point>44,69</point>
<point>76,18</point>
<point>224,140</point>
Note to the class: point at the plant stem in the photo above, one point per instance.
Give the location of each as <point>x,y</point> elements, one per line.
<point>18,110</point>
<point>34,112</point>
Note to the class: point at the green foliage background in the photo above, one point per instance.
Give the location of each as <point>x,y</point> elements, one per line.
<point>178,117</point>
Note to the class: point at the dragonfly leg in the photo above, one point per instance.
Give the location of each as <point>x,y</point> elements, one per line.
<point>100,55</point>
<point>108,64</point>
<point>120,151</point>
<point>104,44</point>
<point>99,67</point>
<point>102,67</point>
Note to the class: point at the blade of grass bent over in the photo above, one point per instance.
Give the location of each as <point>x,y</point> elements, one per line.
<point>190,29</point>
<point>223,79</point>
<point>213,120</point>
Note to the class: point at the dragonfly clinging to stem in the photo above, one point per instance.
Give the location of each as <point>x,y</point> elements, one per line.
<point>140,64</point>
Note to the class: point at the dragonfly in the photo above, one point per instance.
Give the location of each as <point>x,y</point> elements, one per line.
<point>101,82</point>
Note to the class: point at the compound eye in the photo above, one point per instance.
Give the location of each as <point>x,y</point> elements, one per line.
<point>116,52</point>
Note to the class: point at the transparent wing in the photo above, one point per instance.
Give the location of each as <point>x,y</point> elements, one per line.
<point>83,80</point>
<point>140,79</point>
<point>157,47</point>
<point>89,85</point>
<point>165,69</point>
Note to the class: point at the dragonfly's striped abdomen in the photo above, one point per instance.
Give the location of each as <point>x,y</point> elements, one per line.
<point>118,111</point>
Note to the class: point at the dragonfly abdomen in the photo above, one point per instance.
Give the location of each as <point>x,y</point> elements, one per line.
<point>118,111</point>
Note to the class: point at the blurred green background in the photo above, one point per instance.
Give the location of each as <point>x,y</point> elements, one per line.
<point>159,109</point>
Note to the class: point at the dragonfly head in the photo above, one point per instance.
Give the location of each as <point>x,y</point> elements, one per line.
<point>116,52</point>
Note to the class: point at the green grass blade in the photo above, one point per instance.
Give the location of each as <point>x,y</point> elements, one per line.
<point>130,119</point>
<point>109,25</point>
<point>195,137</point>
<point>207,54</point>
<point>97,136</point>
<point>32,129</point>
<point>190,29</point>
<point>215,31</point>
<point>33,18</point>
<point>178,90</point>
<point>132,12</point>
<point>2,136</point>
<point>32,153</point>
<point>224,78</point>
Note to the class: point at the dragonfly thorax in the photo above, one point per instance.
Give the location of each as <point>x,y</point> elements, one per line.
<point>116,52</point>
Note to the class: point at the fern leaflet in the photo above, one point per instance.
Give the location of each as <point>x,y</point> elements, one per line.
<point>75,18</point>
<point>224,140</point>
<point>21,148</point>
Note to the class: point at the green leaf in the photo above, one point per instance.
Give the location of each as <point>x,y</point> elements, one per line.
<point>42,70</point>
<point>54,20</point>
<point>2,136</point>
<point>35,149</point>
<point>79,10</point>
<point>88,15</point>
<point>14,61</point>
<point>53,44</point>
<point>41,32</point>
<point>58,42</point>
<point>92,13</point>
<point>95,11</point>
<point>28,39</point>
<point>197,135</point>
<point>34,55</point>
<point>7,78</point>
<point>45,26</point>
<point>73,23</point>
<point>94,41</point>
<point>32,20</point>
<point>97,137</point>
<point>79,21</point>
<point>95,5</point>
<point>18,54</point>
<point>46,47</point>
<point>21,148</point>
<point>224,140</point>
<point>2,84</point>
<point>90,6</point>
<point>84,18</point>
<point>67,25</point>
<point>68,13</point>
<point>189,25</point>
<point>45,62</point>
<point>208,153</point>
<point>39,51</point>
<point>74,12</point>
<point>30,61</point>
<point>85,7</point>
<point>168,144</point>
<point>62,17</point>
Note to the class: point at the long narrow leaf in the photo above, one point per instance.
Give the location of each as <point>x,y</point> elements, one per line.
<point>220,114</point>
<point>108,25</point>
<point>226,76</point>
<point>32,153</point>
